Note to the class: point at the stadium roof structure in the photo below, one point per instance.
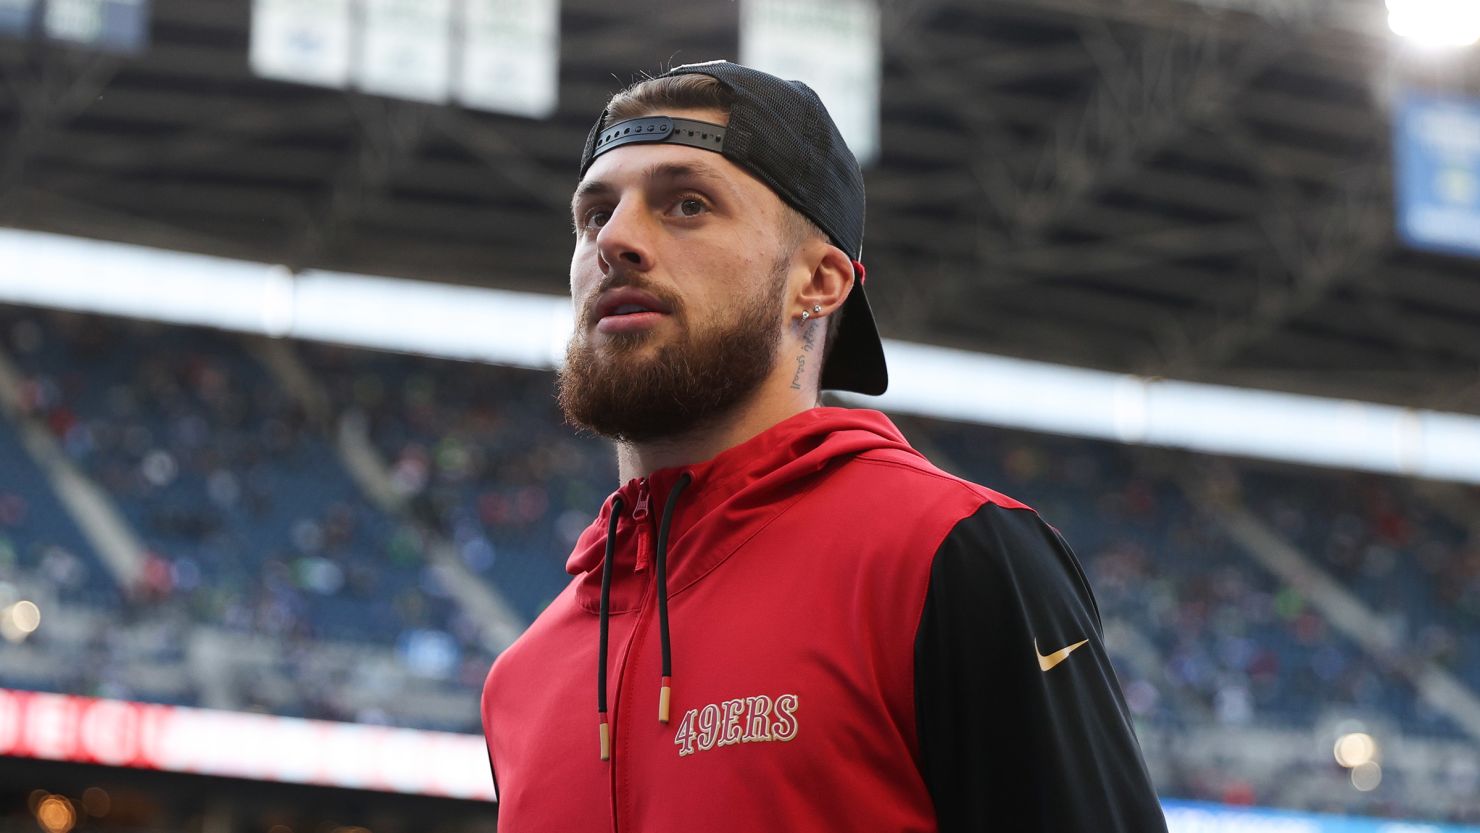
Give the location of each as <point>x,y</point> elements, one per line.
<point>1195,190</point>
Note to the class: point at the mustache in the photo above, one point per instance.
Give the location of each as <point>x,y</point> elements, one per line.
<point>622,279</point>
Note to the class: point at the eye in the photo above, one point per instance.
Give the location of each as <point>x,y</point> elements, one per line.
<point>594,218</point>
<point>690,207</point>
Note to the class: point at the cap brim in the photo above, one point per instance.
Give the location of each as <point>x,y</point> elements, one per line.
<point>856,361</point>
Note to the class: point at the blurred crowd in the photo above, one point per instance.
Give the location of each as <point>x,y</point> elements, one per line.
<point>248,520</point>
<point>253,527</point>
<point>1417,566</point>
<point>482,457</point>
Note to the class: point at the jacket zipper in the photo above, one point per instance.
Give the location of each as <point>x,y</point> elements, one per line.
<point>641,515</point>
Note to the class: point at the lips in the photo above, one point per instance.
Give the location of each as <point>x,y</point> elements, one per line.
<point>628,301</point>
<point>632,322</point>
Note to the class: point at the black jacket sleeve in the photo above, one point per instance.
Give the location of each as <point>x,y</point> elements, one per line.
<point>1014,734</point>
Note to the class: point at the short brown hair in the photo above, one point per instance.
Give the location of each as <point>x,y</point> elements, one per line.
<point>673,92</point>
<point>696,91</point>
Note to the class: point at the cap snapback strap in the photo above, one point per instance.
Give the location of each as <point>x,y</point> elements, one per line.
<point>699,134</point>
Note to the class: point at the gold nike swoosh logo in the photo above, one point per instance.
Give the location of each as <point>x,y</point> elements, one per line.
<point>1047,662</point>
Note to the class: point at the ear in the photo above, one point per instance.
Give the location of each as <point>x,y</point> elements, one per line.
<point>828,285</point>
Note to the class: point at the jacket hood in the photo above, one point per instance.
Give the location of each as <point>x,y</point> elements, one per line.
<point>730,498</point>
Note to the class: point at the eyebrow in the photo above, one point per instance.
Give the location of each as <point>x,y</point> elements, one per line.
<point>663,171</point>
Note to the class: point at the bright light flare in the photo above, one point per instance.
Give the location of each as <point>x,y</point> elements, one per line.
<point>1366,777</point>
<point>1436,23</point>
<point>55,814</point>
<point>1355,749</point>
<point>96,801</point>
<point>19,620</point>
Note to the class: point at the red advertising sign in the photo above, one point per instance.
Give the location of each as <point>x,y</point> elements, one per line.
<point>62,727</point>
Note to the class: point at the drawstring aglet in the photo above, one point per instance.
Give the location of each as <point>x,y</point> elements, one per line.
<point>665,695</point>
<point>606,739</point>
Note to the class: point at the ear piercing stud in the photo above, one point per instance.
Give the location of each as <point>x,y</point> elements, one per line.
<point>816,308</point>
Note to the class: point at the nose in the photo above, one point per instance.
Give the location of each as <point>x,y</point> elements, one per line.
<point>625,239</point>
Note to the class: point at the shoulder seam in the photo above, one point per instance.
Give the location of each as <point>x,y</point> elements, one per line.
<point>976,490</point>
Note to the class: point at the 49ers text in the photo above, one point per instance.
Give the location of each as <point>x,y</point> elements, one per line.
<point>741,720</point>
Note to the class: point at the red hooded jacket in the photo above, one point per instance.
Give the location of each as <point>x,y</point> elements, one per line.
<point>859,642</point>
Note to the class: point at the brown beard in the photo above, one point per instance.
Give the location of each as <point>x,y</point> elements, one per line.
<point>687,384</point>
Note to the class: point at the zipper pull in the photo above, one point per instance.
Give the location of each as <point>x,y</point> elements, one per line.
<point>640,511</point>
<point>640,515</point>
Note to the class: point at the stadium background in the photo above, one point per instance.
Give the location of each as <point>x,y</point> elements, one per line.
<point>223,519</point>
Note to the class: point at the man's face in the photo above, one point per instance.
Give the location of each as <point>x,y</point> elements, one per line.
<point>678,279</point>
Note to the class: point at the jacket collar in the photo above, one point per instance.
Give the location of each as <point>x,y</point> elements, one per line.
<point>732,497</point>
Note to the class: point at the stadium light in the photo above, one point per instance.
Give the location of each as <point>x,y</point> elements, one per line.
<point>1366,776</point>
<point>1354,749</point>
<point>96,802</point>
<point>55,814</point>
<point>19,620</point>
<point>1436,23</point>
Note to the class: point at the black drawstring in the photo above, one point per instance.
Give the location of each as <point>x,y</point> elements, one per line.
<point>665,693</point>
<point>606,600</point>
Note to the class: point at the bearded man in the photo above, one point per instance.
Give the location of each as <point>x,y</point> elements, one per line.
<point>786,618</point>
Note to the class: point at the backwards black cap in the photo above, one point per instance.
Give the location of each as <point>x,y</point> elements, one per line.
<point>780,132</point>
